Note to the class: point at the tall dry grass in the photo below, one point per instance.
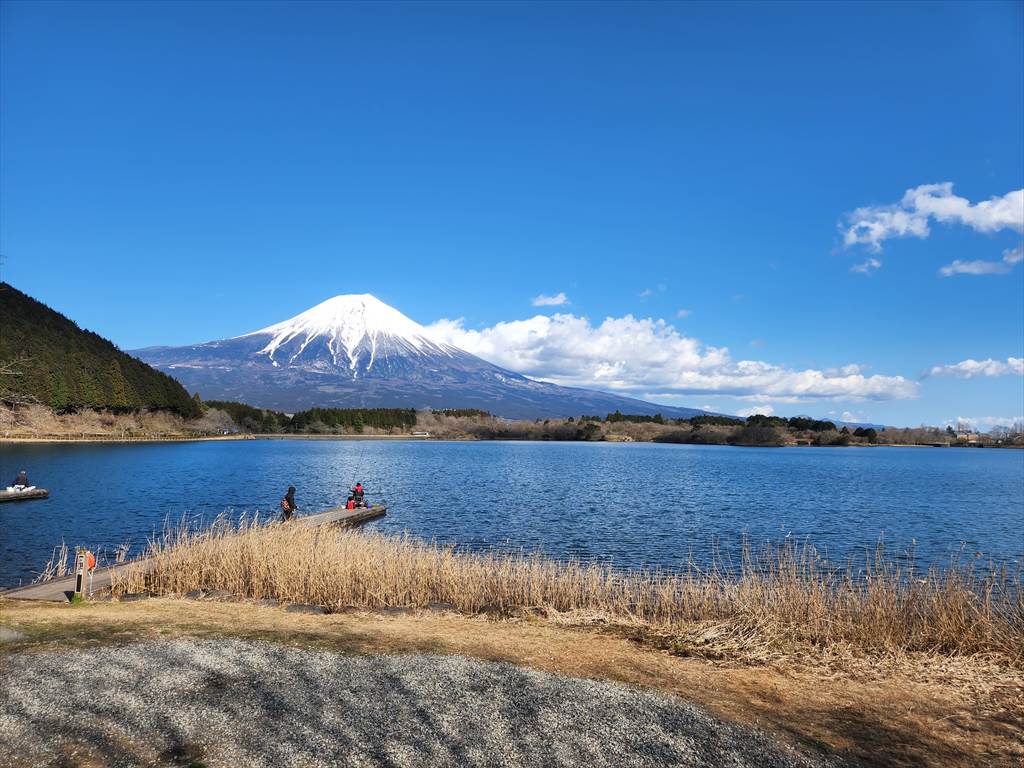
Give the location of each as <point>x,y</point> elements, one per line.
<point>778,598</point>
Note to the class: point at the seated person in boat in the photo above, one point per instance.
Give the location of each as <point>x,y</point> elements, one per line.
<point>288,505</point>
<point>351,502</point>
<point>21,481</point>
<point>357,495</point>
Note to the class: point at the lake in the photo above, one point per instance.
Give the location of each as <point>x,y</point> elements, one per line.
<point>634,504</point>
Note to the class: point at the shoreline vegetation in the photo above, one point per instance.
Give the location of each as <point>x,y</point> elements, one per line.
<point>867,659</point>
<point>778,603</point>
<point>236,421</point>
<point>825,654</point>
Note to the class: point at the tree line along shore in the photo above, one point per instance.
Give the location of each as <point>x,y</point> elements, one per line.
<point>230,419</point>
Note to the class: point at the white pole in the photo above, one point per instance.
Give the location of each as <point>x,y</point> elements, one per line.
<point>79,571</point>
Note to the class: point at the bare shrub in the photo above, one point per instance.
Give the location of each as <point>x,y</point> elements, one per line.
<point>214,421</point>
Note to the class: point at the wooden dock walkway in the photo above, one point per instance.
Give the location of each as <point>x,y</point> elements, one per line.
<point>61,590</point>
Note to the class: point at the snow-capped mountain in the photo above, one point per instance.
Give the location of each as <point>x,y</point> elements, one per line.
<point>353,335</point>
<point>356,351</point>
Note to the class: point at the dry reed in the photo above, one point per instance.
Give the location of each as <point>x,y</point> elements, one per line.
<point>63,560</point>
<point>58,566</point>
<point>779,599</point>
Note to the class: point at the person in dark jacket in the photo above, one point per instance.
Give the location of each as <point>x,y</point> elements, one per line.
<point>21,481</point>
<point>288,505</point>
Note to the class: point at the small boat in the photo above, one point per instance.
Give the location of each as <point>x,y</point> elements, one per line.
<point>26,494</point>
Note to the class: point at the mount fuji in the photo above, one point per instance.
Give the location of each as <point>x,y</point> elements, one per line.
<point>355,351</point>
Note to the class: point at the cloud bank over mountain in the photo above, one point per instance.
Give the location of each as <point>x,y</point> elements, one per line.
<point>651,357</point>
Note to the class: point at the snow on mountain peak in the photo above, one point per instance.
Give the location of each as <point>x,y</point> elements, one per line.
<point>344,322</point>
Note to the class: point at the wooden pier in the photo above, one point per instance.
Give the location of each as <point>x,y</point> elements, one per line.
<point>26,495</point>
<point>61,590</point>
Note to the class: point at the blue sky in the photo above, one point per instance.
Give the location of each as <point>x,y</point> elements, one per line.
<point>176,172</point>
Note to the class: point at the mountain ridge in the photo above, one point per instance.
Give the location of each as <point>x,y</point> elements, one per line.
<point>54,362</point>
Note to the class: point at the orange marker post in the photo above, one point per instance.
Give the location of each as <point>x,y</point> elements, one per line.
<point>90,565</point>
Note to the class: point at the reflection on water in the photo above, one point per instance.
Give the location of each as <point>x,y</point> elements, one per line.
<point>632,504</point>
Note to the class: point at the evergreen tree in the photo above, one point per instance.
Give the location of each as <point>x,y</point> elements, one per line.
<point>120,396</point>
<point>60,398</point>
<point>88,392</point>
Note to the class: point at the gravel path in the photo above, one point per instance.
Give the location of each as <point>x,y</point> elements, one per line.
<point>241,703</point>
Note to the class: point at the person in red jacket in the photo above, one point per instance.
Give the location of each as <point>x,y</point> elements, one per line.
<point>288,505</point>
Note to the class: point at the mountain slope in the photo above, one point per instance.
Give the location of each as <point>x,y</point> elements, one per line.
<point>356,351</point>
<point>54,362</point>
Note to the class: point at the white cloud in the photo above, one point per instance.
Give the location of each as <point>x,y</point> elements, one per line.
<point>764,410</point>
<point>872,225</point>
<point>648,292</point>
<point>866,267</point>
<point>550,301</point>
<point>987,422</point>
<point>969,369</point>
<point>642,355</point>
<point>850,416</point>
<point>846,370</point>
<point>992,215</point>
<point>976,267</point>
<point>684,313</point>
<point>1011,257</point>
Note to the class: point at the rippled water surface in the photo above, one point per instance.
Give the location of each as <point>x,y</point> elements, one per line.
<point>635,504</point>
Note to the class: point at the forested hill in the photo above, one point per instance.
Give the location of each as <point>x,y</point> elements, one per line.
<point>47,358</point>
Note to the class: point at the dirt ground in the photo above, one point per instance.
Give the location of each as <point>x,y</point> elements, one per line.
<point>917,712</point>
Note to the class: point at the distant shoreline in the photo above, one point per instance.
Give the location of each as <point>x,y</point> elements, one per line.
<point>199,438</point>
<point>48,439</point>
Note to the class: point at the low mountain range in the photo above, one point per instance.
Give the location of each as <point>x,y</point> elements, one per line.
<point>356,351</point>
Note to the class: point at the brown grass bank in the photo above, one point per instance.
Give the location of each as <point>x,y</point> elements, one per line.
<point>780,604</point>
<point>924,712</point>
